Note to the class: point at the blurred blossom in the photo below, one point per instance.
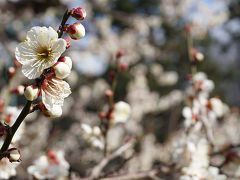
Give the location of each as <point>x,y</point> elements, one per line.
<point>121,112</point>
<point>202,15</point>
<point>50,166</point>
<point>92,135</point>
<point>168,78</point>
<point>7,169</point>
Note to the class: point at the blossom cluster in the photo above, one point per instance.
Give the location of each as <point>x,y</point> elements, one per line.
<point>201,113</point>
<point>202,109</point>
<point>41,58</point>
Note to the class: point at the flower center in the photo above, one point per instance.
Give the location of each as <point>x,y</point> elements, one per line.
<point>44,53</point>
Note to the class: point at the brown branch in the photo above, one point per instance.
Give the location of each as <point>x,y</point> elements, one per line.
<point>97,170</point>
<point>225,150</point>
<point>63,23</point>
<point>13,129</point>
<point>27,108</point>
<point>163,169</point>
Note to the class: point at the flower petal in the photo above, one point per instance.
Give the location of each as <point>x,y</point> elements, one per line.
<point>55,93</point>
<point>25,53</point>
<point>59,46</point>
<point>42,35</point>
<point>31,72</point>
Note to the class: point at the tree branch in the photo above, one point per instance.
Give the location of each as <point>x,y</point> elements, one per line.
<point>13,129</point>
<point>96,172</point>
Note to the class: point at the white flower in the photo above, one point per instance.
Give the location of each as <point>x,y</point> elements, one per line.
<point>53,92</point>
<point>7,169</point>
<point>40,51</point>
<point>50,166</point>
<point>121,112</point>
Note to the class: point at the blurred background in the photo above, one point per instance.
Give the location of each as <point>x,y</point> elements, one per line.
<point>152,35</point>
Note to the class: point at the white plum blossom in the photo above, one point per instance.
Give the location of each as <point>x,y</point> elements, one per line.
<point>40,51</point>
<point>121,112</point>
<point>53,92</point>
<point>7,169</point>
<point>50,166</point>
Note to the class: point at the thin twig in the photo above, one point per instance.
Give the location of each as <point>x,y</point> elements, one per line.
<point>63,23</point>
<point>27,108</point>
<point>97,170</point>
<point>14,128</point>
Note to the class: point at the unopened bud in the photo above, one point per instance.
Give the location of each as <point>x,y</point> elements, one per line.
<point>78,13</point>
<point>61,70</point>
<point>11,72</point>
<point>66,60</point>
<point>196,55</point>
<point>76,31</point>
<point>19,90</point>
<point>123,67</point>
<point>109,93</point>
<point>102,115</point>
<point>199,56</point>
<point>31,93</point>
<point>14,155</point>
<point>52,157</point>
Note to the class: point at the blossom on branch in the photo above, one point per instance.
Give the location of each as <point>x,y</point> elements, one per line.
<point>53,92</point>
<point>40,51</point>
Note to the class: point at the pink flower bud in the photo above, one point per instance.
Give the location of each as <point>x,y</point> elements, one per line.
<point>19,90</point>
<point>78,13</point>
<point>123,67</point>
<point>109,93</point>
<point>31,93</point>
<point>11,72</point>
<point>66,60</point>
<point>61,70</point>
<point>76,31</point>
<point>52,157</point>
